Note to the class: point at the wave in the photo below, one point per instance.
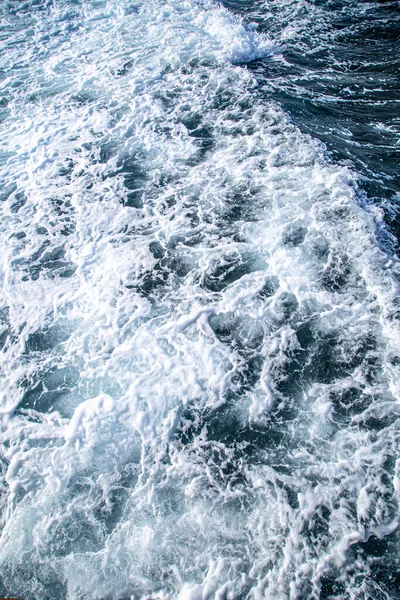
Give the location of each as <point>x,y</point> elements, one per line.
<point>200,337</point>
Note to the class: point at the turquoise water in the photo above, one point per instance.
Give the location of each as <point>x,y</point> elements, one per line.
<point>200,298</point>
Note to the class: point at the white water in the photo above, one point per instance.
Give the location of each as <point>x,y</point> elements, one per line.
<point>200,374</point>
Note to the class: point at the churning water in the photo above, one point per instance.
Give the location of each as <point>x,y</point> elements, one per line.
<point>199,300</point>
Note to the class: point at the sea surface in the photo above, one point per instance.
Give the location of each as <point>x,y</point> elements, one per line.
<point>199,306</point>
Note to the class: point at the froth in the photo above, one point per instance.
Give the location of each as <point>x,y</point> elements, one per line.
<point>199,324</point>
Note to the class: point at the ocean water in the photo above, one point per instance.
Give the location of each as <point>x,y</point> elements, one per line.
<point>200,343</point>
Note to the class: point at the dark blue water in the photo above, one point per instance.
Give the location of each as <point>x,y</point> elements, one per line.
<point>339,79</point>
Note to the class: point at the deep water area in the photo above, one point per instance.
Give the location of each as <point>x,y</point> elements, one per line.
<point>199,308</point>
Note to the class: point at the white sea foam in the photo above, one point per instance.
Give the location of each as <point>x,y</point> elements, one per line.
<point>200,321</point>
